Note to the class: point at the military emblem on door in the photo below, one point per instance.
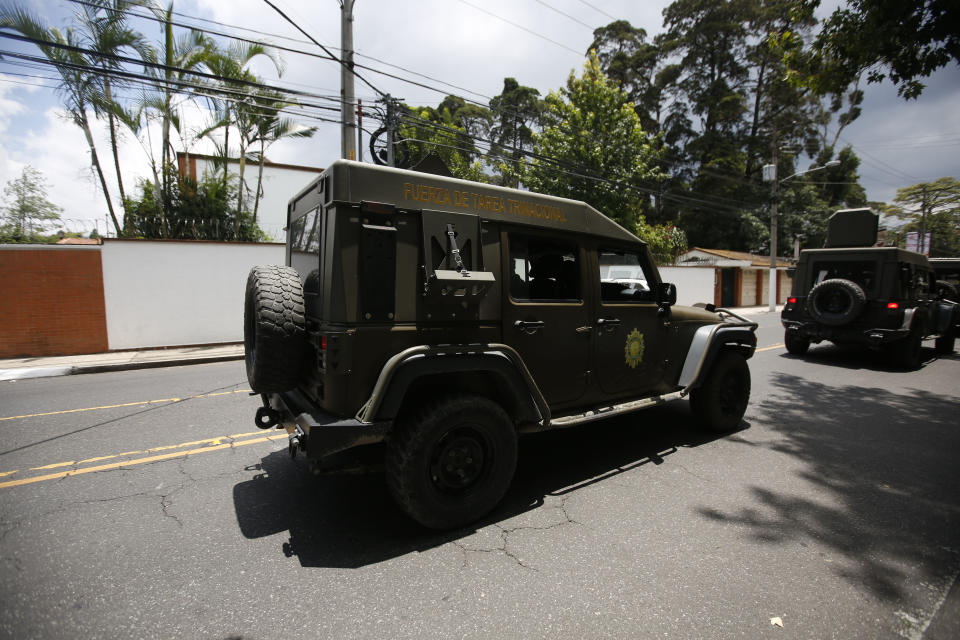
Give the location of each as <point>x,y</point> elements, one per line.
<point>633,350</point>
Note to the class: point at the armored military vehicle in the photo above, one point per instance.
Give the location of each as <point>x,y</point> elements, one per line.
<point>852,292</point>
<point>444,317</point>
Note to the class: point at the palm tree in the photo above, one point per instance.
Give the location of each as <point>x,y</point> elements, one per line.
<point>271,127</point>
<point>105,31</point>
<point>230,65</point>
<point>77,86</point>
<point>179,57</point>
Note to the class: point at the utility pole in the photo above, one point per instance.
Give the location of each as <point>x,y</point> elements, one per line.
<point>774,183</point>
<point>923,219</point>
<point>359,130</point>
<point>348,137</point>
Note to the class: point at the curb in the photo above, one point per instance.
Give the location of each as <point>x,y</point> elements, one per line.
<point>49,372</point>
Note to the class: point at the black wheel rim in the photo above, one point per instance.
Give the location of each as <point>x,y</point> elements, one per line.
<point>836,301</point>
<point>460,460</point>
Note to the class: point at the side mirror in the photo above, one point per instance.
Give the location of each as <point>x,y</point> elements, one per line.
<point>666,294</point>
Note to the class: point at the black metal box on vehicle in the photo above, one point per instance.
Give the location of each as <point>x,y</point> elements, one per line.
<point>443,318</point>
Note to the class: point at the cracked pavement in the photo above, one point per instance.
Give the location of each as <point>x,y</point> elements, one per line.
<point>639,527</point>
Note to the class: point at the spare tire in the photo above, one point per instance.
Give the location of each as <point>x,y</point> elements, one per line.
<point>274,328</point>
<point>836,301</point>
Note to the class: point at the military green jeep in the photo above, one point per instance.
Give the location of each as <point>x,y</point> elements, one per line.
<point>444,317</point>
<point>856,294</point>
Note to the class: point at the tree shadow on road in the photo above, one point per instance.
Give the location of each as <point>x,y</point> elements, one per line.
<point>858,357</point>
<point>887,466</point>
<point>349,521</point>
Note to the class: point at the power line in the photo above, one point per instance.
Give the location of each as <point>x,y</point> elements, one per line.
<point>598,9</point>
<point>325,50</point>
<point>518,26</point>
<point>564,14</point>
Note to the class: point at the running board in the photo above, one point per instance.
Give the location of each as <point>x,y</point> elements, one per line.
<point>615,410</point>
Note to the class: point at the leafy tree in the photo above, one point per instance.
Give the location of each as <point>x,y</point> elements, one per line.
<point>77,87</point>
<point>932,207</point>
<point>26,210</point>
<point>594,148</point>
<point>516,112</point>
<point>903,40</point>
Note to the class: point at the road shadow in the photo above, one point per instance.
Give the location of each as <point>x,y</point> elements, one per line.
<point>349,521</point>
<point>887,468</point>
<point>861,358</point>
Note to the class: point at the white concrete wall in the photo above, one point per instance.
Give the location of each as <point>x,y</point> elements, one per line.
<point>694,284</point>
<point>168,293</point>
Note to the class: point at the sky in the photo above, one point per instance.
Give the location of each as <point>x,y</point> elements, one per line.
<point>471,44</point>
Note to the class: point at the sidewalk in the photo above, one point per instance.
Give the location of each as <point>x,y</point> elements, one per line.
<point>19,368</point>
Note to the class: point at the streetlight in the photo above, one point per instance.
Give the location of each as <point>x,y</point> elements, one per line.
<point>770,175</point>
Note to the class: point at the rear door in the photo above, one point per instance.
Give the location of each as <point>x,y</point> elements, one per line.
<point>545,315</point>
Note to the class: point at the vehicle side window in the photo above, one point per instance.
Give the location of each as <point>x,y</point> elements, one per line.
<point>623,278</point>
<point>543,269</point>
<point>305,232</point>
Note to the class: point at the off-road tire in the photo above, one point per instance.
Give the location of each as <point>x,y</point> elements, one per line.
<point>797,345</point>
<point>476,436</point>
<point>836,302</point>
<point>906,351</point>
<point>274,328</point>
<point>720,402</point>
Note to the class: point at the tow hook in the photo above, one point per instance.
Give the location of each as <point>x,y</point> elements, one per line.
<point>296,441</point>
<point>266,418</point>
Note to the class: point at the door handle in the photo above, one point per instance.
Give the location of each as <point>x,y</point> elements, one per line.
<point>586,329</point>
<point>608,325</point>
<point>529,327</point>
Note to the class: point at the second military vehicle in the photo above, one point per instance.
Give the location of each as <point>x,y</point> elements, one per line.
<point>445,317</point>
<point>852,292</point>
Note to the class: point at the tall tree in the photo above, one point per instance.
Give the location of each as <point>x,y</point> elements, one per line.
<point>271,128</point>
<point>105,30</point>
<point>64,51</point>
<point>26,209</point>
<point>516,114</point>
<point>906,41</point>
<point>931,207</point>
<point>593,148</point>
<point>178,56</point>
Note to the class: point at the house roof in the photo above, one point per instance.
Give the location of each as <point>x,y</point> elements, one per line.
<point>79,241</point>
<point>751,259</point>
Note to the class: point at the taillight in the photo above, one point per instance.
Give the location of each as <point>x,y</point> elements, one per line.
<point>791,301</point>
<point>893,305</point>
<point>323,343</point>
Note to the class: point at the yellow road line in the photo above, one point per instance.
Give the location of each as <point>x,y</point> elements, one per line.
<point>130,463</point>
<point>126,404</point>
<point>211,441</point>
<point>773,346</point>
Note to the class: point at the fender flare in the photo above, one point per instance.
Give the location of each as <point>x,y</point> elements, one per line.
<point>706,345</point>
<point>502,361</point>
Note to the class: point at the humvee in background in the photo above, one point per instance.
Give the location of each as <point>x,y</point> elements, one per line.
<point>444,317</point>
<point>852,292</point>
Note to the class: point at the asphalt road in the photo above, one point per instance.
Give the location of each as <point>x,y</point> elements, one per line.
<point>145,504</point>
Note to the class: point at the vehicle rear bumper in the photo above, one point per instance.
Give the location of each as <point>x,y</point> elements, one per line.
<point>318,433</point>
<point>845,335</point>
